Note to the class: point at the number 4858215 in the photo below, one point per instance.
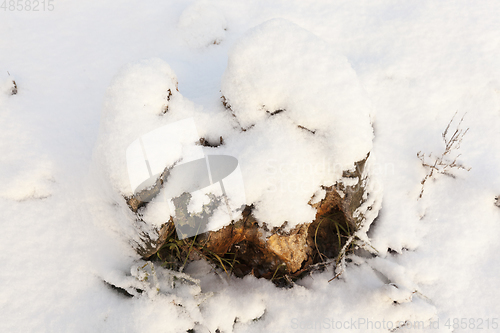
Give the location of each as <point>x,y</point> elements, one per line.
<point>472,323</point>
<point>27,5</point>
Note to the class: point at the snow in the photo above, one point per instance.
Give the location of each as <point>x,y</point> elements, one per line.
<point>285,158</point>
<point>93,77</point>
<point>305,117</point>
<point>135,102</point>
<point>202,24</point>
<point>26,174</point>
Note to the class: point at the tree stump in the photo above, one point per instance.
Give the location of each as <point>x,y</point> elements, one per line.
<point>247,246</point>
<point>285,93</point>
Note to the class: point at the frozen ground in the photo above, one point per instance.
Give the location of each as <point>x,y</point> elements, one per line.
<point>419,63</point>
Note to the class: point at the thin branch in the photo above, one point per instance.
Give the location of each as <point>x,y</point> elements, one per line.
<point>443,163</point>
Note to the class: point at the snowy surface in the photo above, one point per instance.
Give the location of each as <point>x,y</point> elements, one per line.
<point>202,24</point>
<point>417,62</point>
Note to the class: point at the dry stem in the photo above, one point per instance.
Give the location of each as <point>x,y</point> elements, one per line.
<point>444,164</point>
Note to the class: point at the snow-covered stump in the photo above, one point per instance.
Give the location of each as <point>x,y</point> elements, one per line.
<point>277,253</point>
<point>297,123</point>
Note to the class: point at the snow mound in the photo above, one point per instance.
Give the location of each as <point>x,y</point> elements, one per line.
<point>281,66</point>
<point>202,24</point>
<point>304,115</point>
<point>301,120</point>
<point>147,126</point>
<point>141,98</point>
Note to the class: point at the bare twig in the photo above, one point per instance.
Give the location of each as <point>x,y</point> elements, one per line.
<point>13,90</point>
<point>445,163</point>
<point>341,257</point>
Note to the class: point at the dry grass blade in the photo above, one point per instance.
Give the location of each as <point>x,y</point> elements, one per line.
<point>444,164</point>
<point>316,243</point>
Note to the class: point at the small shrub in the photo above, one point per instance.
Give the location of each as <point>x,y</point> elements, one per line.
<point>445,163</point>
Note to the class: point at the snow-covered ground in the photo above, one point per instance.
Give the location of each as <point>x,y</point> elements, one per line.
<point>419,63</point>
